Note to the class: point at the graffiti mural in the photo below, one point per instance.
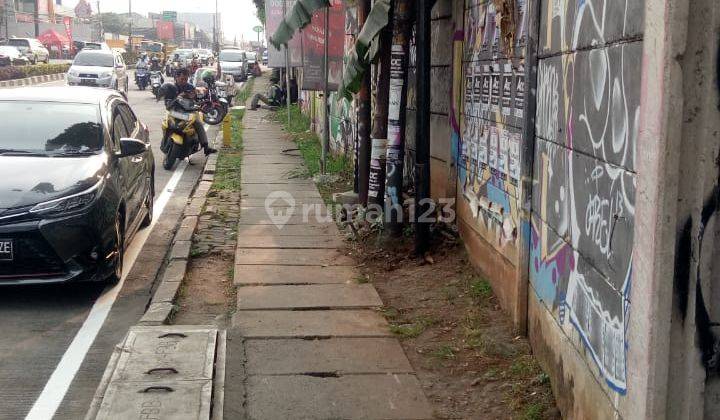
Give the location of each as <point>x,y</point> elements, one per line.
<point>584,182</point>
<point>492,119</point>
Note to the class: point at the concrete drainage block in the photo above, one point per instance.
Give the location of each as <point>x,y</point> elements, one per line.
<point>165,372</point>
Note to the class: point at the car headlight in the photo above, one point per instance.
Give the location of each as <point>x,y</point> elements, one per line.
<point>71,203</point>
<point>73,73</point>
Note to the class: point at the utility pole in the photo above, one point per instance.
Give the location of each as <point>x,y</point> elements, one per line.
<point>36,19</point>
<point>130,43</point>
<point>287,69</point>
<point>6,17</point>
<point>326,94</point>
<point>100,23</point>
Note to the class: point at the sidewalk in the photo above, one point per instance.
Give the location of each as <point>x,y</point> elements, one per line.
<point>307,340</point>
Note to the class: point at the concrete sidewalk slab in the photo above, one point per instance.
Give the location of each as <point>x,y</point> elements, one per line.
<point>289,230</point>
<point>342,355</point>
<point>285,274</point>
<point>277,241</point>
<point>330,296</point>
<point>347,397</point>
<point>260,217</point>
<point>317,257</point>
<point>300,324</point>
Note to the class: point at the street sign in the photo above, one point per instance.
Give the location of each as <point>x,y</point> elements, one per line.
<point>170,16</point>
<point>258,29</point>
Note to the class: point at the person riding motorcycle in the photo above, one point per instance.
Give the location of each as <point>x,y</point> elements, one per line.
<point>187,90</point>
<point>142,62</point>
<point>155,66</point>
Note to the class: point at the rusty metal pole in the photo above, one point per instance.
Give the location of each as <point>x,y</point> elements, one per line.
<point>422,133</point>
<point>326,94</point>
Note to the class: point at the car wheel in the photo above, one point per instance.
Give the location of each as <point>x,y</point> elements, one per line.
<point>119,250</point>
<point>149,202</point>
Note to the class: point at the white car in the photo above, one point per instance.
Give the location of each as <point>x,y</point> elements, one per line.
<point>31,48</point>
<point>12,56</point>
<point>101,68</point>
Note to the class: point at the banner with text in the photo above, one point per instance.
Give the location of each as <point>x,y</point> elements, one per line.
<point>273,17</point>
<point>313,46</point>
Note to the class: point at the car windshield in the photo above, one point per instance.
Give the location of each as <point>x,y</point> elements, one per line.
<point>19,42</point>
<point>251,56</point>
<point>95,59</point>
<point>231,56</point>
<point>184,54</point>
<point>50,128</point>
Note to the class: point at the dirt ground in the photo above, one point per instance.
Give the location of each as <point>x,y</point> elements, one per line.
<point>471,364</point>
<point>207,296</point>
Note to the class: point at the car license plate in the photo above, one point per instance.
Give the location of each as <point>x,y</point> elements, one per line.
<point>6,250</point>
<point>88,82</point>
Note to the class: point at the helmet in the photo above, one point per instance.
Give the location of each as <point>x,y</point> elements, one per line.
<point>208,77</point>
<point>143,55</point>
<point>168,91</point>
<point>155,58</point>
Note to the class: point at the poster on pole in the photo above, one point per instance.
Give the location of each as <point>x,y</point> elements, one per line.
<point>273,17</point>
<point>313,46</point>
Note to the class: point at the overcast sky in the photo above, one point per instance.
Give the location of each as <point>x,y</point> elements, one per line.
<point>238,16</point>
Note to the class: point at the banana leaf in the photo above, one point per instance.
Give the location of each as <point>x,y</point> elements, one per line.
<point>297,18</point>
<point>366,48</point>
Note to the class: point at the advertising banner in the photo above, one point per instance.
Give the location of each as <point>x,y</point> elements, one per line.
<point>313,43</point>
<point>273,17</point>
<point>165,30</point>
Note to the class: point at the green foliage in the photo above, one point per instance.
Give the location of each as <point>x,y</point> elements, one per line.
<point>260,5</point>
<point>443,352</point>
<point>115,23</point>
<point>309,144</point>
<point>227,170</point>
<point>480,289</point>
<point>21,72</point>
<point>533,412</point>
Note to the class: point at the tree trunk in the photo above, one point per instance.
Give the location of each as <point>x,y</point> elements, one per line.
<point>402,30</point>
<point>362,161</point>
<point>376,190</point>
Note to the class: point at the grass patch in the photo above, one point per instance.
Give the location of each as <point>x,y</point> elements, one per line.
<point>480,289</point>
<point>245,92</point>
<point>227,170</point>
<point>413,329</point>
<point>443,352</point>
<point>534,411</point>
<point>309,143</point>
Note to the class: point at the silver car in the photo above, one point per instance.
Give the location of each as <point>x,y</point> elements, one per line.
<point>101,68</point>
<point>31,48</point>
<point>234,63</point>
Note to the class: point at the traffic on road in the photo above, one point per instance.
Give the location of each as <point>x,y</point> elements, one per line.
<point>94,172</point>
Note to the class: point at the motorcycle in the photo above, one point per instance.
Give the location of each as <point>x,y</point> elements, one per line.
<point>180,140</point>
<point>142,78</point>
<point>214,107</point>
<point>155,82</point>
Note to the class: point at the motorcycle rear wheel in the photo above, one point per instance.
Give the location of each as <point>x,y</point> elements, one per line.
<point>171,156</point>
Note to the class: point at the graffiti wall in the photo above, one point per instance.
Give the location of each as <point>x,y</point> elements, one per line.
<point>583,196</point>
<point>491,122</point>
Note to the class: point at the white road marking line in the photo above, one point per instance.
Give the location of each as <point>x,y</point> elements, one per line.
<point>57,386</point>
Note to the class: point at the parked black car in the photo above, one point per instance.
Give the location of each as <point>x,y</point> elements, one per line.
<point>76,183</point>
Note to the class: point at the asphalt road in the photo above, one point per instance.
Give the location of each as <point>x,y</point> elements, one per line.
<point>57,340</point>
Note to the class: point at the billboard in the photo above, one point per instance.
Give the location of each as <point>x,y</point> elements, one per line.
<point>273,17</point>
<point>313,47</point>
<point>165,30</point>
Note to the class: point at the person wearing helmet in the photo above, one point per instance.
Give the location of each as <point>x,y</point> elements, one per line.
<point>184,88</point>
<point>142,61</point>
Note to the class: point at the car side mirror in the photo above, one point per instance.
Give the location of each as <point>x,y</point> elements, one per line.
<point>132,147</point>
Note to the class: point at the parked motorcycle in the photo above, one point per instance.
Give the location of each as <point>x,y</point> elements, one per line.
<point>142,78</point>
<point>214,107</point>
<point>180,140</point>
<point>156,81</point>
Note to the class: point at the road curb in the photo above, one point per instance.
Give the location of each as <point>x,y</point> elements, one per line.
<point>34,80</point>
<point>162,305</point>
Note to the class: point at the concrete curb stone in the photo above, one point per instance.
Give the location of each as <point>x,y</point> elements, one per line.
<point>33,80</point>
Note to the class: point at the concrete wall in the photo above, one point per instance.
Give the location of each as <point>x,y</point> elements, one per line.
<point>583,198</point>
<point>490,156</point>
